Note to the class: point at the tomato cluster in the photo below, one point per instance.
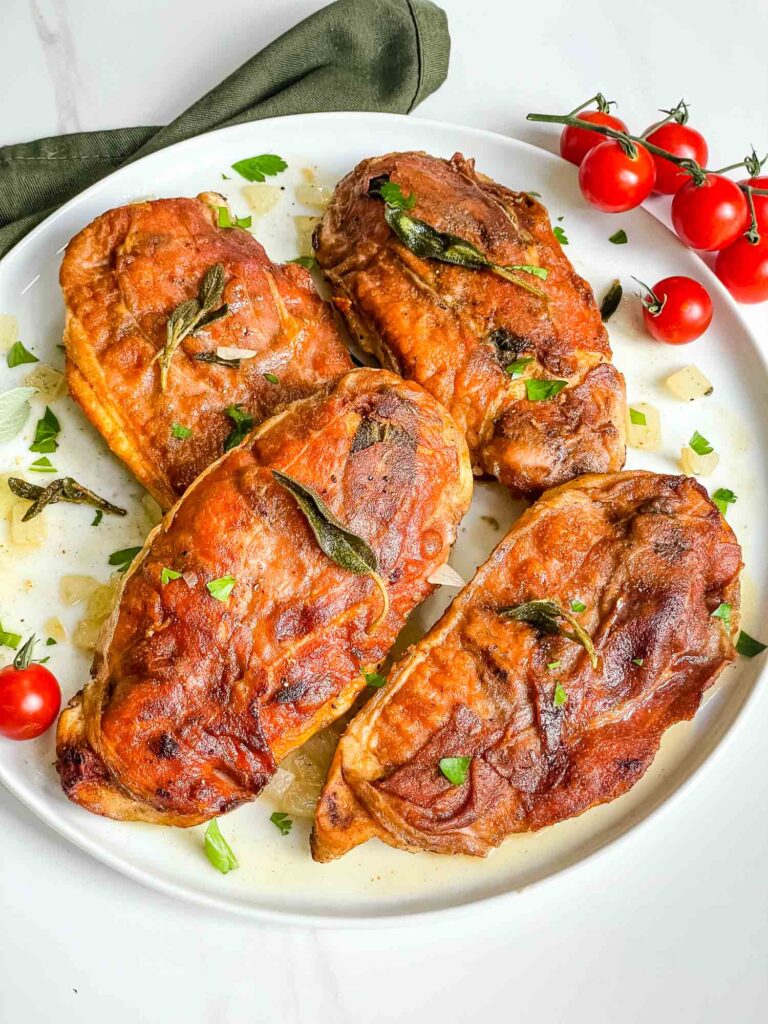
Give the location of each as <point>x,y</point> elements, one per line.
<point>710,212</point>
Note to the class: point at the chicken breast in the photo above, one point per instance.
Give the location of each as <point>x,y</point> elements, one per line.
<point>536,727</point>
<point>122,278</point>
<point>236,636</point>
<point>481,344</point>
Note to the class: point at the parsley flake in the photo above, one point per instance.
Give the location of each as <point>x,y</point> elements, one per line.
<point>122,559</point>
<point>723,497</point>
<point>282,822</point>
<point>166,575</point>
<point>619,237</point>
<point>578,606</point>
<point>272,378</point>
<point>637,418</point>
<point>723,612</point>
<point>560,235</point>
<point>243,423</point>
<point>392,195</point>
<point>97,518</point>
<point>638,661</point>
<point>541,390</point>
<point>455,769</point>
<point>178,430</point>
<point>560,697</point>
<point>258,168</point>
<point>8,639</point>
<point>747,646</point>
<point>46,432</point>
<point>308,262</point>
<point>516,368</point>
<point>700,444</point>
<point>374,679</point>
<point>18,355</point>
<point>43,465</point>
<point>226,221</point>
<point>552,665</point>
<point>221,588</point>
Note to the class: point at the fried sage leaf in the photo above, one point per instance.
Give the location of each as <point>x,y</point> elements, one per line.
<point>65,489</point>
<point>426,242</point>
<point>191,315</point>
<point>545,616</point>
<point>611,301</point>
<point>340,544</point>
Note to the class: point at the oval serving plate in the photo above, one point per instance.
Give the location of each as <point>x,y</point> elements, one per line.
<point>277,879</point>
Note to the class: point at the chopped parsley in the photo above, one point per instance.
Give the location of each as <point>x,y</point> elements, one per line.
<point>217,849</point>
<point>541,390</point>
<point>221,588</point>
<point>560,697</point>
<point>8,639</point>
<point>723,612</point>
<point>225,219</point>
<point>578,606</point>
<point>638,661</point>
<point>166,575</point>
<point>243,423</point>
<point>43,465</point>
<point>97,518</point>
<point>282,822</point>
<point>552,665</point>
<point>180,431</point>
<point>747,646</point>
<point>455,769</point>
<point>308,262</point>
<point>50,642</point>
<point>560,235</point>
<point>619,237</point>
<point>392,195</point>
<point>723,497</point>
<point>700,444</point>
<point>516,368</point>
<point>17,355</point>
<point>46,432</point>
<point>636,417</point>
<point>122,559</point>
<point>272,378</point>
<point>258,168</point>
<point>374,679</point>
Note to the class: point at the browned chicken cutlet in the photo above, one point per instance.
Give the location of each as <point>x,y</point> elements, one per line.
<point>638,560</point>
<point>456,330</point>
<point>204,680</point>
<point>122,278</point>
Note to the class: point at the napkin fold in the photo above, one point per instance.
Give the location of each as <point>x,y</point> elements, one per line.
<point>383,55</point>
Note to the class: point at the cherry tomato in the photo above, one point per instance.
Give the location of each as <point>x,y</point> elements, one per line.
<point>30,697</point>
<point>676,310</point>
<point>711,215</point>
<point>743,269</point>
<point>761,202</point>
<point>680,140</point>
<point>575,143</point>
<point>613,181</point>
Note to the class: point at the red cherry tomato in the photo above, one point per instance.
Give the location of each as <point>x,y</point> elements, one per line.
<point>30,697</point>
<point>712,215</point>
<point>743,269</point>
<point>575,143</point>
<point>676,310</point>
<point>679,140</point>
<point>761,202</point>
<point>613,181</point>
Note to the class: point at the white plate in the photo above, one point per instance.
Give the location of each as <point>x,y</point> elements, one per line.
<point>277,879</point>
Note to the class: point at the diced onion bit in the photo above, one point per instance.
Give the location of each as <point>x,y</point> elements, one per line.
<point>152,510</point>
<point>86,635</point>
<point>316,196</point>
<point>689,383</point>
<point>101,601</point>
<point>295,787</point>
<point>7,498</point>
<point>445,576</point>
<point>56,630</point>
<point>27,535</point>
<point>9,331</point>
<point>261,198</point>
<point>643,435</point>
<point>304,229</point>
<point>308,174</point>
<point>49,382</point>
<point>694,464</point>
<point>230,352</point>
<point>74,589</point>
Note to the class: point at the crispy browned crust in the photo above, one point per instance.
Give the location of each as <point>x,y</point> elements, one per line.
<point>651,558</point>
<point>436,323</point>
<point>192,701</point>
<point>121,278</point>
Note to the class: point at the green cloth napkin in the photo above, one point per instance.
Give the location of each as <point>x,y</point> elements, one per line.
<point>383,55</point>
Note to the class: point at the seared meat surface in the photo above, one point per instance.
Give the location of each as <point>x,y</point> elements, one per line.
<point>455,330</point>
<point>650,558</point>
<point>124,275</point>
<point>194,700</point>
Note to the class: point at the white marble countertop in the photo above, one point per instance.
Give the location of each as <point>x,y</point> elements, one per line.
<point>670,926</point>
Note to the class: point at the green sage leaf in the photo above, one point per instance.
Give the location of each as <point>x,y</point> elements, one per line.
<point>611,301</point>
<point>545,616</point>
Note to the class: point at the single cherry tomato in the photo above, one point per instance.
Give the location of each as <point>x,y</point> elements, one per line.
<point>575,143</point>
<point>676,310</point>
<point>679,140</point>
<point>613,181</point>
<point>30,697</point>
<point>743,269</point>
<point>712,215</point>
<point>761,202</point>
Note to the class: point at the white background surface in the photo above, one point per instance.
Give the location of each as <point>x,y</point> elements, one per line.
<point>670,926</point>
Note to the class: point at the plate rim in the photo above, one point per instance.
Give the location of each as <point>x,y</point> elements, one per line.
<point>472,904</point>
